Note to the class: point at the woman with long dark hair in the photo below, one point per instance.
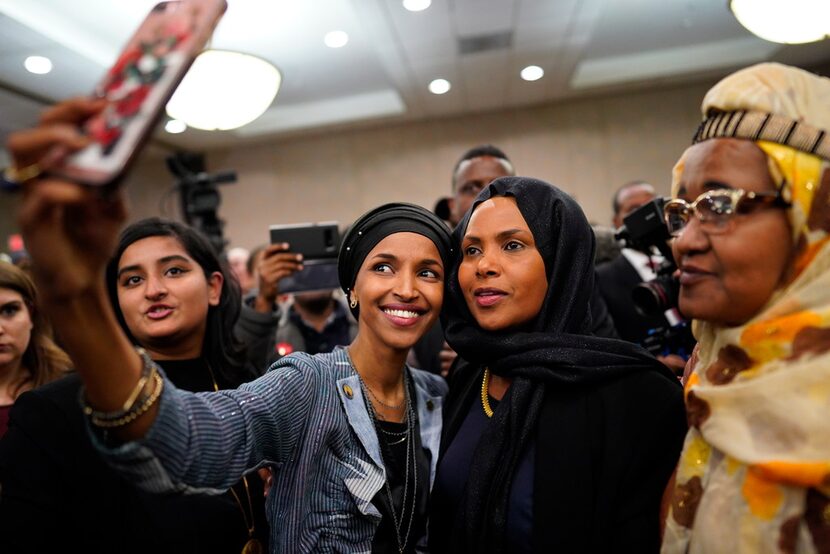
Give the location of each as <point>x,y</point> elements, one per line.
<point>29,357</point>
<point>176,299</point>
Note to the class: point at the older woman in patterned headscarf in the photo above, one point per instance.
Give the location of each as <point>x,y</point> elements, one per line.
<point>751,220</point>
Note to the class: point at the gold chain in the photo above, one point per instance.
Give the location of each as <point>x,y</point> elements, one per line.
<point>249,524</point>
<point>485,396</point>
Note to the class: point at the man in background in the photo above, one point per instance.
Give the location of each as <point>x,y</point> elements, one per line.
<point>617,278</point>
<point>311,322</point>
<point>476,169</point>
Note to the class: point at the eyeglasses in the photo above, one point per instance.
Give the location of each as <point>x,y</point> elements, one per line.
<point>715,209</point>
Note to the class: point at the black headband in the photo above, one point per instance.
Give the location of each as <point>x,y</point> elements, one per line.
<point>375,225</point>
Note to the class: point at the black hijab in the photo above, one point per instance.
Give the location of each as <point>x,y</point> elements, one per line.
<point>555,352</point>
<point>377,224</point>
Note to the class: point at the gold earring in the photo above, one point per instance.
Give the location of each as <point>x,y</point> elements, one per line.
<point>352,301</point>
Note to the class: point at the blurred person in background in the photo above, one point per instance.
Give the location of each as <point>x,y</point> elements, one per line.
<point>29,357</point>
<point>239,261</point>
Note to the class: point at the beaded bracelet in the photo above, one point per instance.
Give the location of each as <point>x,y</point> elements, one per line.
<point>137,400</point>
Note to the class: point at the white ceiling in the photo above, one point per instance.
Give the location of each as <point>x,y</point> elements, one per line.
<point>584,46</point>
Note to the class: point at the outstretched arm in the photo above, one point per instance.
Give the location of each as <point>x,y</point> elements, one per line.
<point>70,232</point>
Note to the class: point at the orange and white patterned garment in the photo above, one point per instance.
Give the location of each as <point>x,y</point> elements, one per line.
<point>754,475</point>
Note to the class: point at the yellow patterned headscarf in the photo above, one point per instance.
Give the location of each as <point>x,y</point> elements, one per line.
<point>754,475</point>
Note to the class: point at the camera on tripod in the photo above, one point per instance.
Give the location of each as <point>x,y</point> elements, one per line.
<point>199,195</point>
<point>644,229</point>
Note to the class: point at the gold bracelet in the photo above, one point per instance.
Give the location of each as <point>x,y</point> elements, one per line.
<point>23,174</point>
<point>147,371</point>
<point>136,412</point>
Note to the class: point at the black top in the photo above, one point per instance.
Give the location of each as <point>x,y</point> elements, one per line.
<point>562,378</point>
<point>394,452</point>
<point>603,456</point>
<point>616,279</point>
<point>455,467</point>
<point>337,331</point>
<point>58,494</point>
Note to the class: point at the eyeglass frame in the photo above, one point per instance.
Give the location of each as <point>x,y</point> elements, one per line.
<point>771,199</point>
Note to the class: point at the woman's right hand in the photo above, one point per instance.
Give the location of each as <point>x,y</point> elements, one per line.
<point>70,230</point>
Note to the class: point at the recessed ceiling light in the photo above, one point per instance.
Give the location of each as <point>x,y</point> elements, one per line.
<point>38,64</point>
<point>336,39</point>
<point>175,126</point>
<point>416,5</point>
<point>439,86</point>
<point>532,73</point>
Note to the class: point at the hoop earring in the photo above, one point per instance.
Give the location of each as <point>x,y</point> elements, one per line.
<point>352,301</point>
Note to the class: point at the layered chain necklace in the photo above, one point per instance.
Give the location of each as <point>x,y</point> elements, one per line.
<point>410,462</point>
<point>253,545</point>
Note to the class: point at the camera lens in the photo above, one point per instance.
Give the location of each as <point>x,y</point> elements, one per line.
<point>656,296</point>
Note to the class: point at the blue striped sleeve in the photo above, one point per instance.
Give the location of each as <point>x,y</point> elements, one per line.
<point>205,442</point>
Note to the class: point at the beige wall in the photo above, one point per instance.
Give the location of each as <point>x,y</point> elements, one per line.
<point>587,147</point>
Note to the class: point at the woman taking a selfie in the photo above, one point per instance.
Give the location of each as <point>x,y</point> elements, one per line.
<point>354,433</point>
<point>555,440</point>
<point>28,356</point>
<point>750,219</point>
<point>174,298</point>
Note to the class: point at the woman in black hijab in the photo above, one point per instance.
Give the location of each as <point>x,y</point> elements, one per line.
<point>354,433</point>
<point>554,440</point>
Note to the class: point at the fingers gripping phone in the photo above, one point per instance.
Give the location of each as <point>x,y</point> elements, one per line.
<point>138,87</point>
<point>319,243</point>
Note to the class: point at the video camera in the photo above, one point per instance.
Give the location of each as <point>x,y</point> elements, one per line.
<point>645,229</point>
<point>200,198</point>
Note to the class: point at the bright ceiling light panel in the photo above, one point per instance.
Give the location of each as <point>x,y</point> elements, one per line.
<point>416,5</point>
<point>224,90</point>
<point>790,22</point>
<point>38,64</point>
<point>439,86</point>
<point>532,73</point>
<point>336,39</point>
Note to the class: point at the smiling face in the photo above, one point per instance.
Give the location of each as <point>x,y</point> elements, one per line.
<point>165,296</point>
<point>502,274</point>
<point>399,288</point>
<point>15,329</point>
<point>726,278</point>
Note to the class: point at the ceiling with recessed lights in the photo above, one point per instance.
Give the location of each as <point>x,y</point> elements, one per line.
<point>356,62</point>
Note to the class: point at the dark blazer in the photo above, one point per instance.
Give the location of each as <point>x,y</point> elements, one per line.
<point>615,448</point>
<point>59,495</point>
<point>616,279</point>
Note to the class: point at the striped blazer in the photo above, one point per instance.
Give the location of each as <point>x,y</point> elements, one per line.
<point>307,416</point>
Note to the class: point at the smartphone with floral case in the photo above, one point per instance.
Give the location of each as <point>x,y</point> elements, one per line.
<point>139,85</point>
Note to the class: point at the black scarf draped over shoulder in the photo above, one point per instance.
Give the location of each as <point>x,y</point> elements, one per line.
<point>553,354</point>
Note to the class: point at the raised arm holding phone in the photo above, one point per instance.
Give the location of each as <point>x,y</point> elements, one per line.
<point>361,406</point>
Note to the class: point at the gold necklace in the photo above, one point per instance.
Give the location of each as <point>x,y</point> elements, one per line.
<point>252,546</point>
<point>485,396</point>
